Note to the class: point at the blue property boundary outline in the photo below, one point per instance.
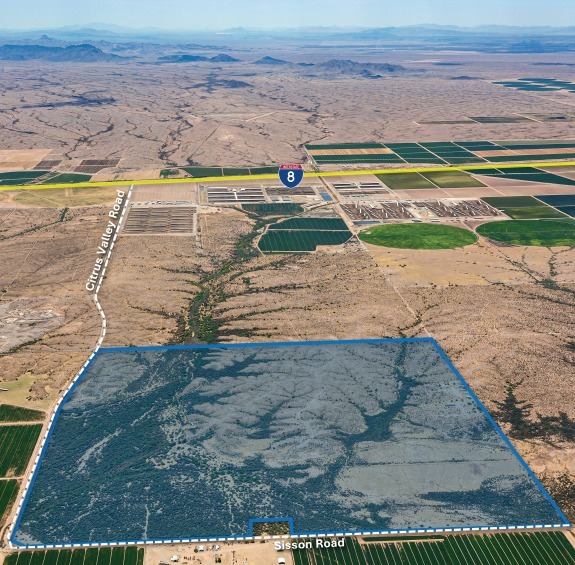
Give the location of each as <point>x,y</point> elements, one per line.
<point>335,533</point>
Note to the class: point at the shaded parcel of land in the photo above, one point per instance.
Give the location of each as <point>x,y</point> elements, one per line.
<point>352,436</point>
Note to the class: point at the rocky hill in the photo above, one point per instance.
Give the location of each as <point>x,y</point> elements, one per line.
<point>348,67</point>
<point>84,53</point>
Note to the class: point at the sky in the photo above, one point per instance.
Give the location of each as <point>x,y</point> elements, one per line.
<point>224,14</point>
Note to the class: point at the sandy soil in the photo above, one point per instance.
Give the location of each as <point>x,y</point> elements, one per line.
<point>164,114</point>
<point>484,304</point>
<point>487,306</point>
<point>231,553</point>
<point>43,270</point>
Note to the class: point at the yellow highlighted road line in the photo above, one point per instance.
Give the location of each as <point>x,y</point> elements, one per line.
<point>347,173</point>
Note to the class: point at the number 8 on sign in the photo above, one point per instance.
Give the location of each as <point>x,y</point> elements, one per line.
<point>290,175</point>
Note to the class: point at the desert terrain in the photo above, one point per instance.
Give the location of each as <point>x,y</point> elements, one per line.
<point>152,114</point>
<point>503,314</point>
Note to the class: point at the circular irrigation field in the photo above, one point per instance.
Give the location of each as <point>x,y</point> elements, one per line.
<point>418,236</point>
<point>542,233</point>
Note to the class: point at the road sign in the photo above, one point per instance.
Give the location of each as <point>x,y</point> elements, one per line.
<point>291,175</point>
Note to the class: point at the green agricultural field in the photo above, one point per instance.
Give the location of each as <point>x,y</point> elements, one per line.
<point>8,491</point>
<point>204,171</point>
<point>548,178</point>
<point>541,233</point>
<point>91,556</point>
<point>557,200</point>
<point>16,175</point>
<point>17,414</point>
<point>525,146</point>
<point>67,178</point>
<point>540,548</point>
<point>320,224</point>
<point>78,557</point>
<point>200,172</point>
<point>38,559</point>
<point>463,160</point>
<point>384,158</point>
<point>345,146</point>
<point>501,202</point>
<point>499,119</point>
<point>275,209</point>
<point>16,182</point>
<point>233,171</point>
<point>418,236</point>
<point>405,181</point>
<point>104,556</point>
<point>264,170</point>
<point>167,173</point>
<point>117,556</point>
<point>22,176</point>
<point>569,210</point>
<point>532,212</point>
<point>16,446</point>
<point>523,207</point>
<point>452,179</point>
<point>296,241</point>
<point>532,157</point>
<point>529,174</point>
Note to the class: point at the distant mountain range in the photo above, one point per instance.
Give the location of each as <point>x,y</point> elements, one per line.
<point>485,38</point>
<point>86,53</point>
<point>115,32</point>
<point>186,58</point>
<point>73,54</point>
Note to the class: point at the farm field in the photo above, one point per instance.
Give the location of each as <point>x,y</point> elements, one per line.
<point>524,207</point>
<point>8,491</point>
<point>65,178</point>
<point>540,548</point>
<point>16,446</point>
<point>502,202</point>
<point>403,181</point>
<point>569,210</point>
<point>88,556</point>
<point>445,152</point>
<point>319,224</point>
<point>532,213</point>
<point>558,200</point>
<point>538,84</point>
<point>452,179</point>
<point>201,172</point>
<point>65,197</point>
<point>418,236</point>
<point>23,178</point>
<point>540,233</point>
<point>10,413</point>
<point>19,176</point>
<point>295,241</point>
<point>563,202</point>
<point>303,235</point>
<point>530,174</point>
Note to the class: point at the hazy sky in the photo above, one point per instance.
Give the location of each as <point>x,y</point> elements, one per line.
<point>220,14</point>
